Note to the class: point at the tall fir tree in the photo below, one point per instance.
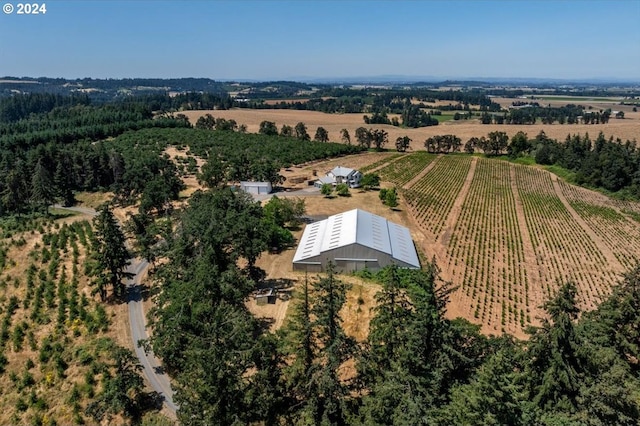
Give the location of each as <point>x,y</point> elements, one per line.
<point>110,254</point>
<point>42,189</point>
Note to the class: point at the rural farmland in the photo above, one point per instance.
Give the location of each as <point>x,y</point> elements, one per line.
<point>625,129</point>
<point>335,213</point>
<point>507,235</point>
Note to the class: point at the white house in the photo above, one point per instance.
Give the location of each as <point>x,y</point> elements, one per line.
<point>341,175</point>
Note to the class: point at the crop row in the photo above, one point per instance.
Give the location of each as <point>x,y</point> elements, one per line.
<point>486,251</point>
<point>620,234</point>
<point>433,196</point>
<point>402,171</point>
<point>564,250</point>
<point>381,162</point>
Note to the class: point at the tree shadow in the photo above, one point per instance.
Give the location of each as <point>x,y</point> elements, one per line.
<point>264,324</point>
<point>147,401</point>
<point>278,284</point>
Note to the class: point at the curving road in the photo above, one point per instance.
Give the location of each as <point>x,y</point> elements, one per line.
<point>152,367</point>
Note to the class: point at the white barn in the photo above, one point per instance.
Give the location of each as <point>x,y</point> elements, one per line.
<point>256,187</point>
<point>355,240</point>
<point>341,174</point>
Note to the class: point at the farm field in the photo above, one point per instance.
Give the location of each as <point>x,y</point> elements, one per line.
<point>628,128</point>
<point>57,343</point>
<point>508,235</point>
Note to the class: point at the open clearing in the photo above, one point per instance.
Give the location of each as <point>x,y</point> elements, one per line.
<point>628,128</point>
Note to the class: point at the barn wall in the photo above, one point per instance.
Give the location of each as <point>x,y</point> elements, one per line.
<point>352,251</point>
<point>307,267</point>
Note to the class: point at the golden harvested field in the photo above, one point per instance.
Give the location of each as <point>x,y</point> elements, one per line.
<point>628,128</point>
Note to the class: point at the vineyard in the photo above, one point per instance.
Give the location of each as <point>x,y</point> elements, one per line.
<point>515,234</point>
<point>565,251</point>
<point>432,197</point>
<point>486,252</point>
<point>402,171</point>
<point>620,233</point>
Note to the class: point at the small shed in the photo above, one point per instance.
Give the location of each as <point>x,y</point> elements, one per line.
<point>256,187</point>
<point>266,296</point>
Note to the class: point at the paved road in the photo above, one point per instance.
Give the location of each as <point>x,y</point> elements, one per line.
<point>153,370</point>
<point>152,367</point>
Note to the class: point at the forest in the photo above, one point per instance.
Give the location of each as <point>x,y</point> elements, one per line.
<point>532,113</point>
<point>52,153</point>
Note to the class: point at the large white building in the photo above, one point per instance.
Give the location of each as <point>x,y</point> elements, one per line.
<point>341,175</point>
<point>355,240</point>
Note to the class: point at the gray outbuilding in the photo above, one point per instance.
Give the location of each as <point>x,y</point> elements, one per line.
<point>355,240</point>
<point>256,187</point>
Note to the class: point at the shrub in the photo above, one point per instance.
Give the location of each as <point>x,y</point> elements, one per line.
<point>342,190</point>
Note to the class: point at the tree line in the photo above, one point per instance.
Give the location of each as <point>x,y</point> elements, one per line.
<point>533,112</point>
<point>371,100</point>
<point>609,164</point>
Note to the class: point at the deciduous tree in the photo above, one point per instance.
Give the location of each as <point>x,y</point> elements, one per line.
<point>301,132</point>
<point>321,135</point>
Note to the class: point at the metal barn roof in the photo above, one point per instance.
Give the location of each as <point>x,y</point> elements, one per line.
<point>357,227</point>
<point>254,183</point>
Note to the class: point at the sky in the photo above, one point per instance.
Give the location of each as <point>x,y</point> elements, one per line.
<point>305,39</point>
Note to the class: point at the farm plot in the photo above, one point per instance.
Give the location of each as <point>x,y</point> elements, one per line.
<point>403,170</point>
<point>564,250</point>
<point>619,233</point>
<point>486,254</point>
<point>379,163</point>
<point>431,198</point>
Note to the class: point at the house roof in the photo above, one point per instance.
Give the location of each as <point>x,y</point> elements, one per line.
<point>327,179</point>
<point>357,227</point>
<point>342,171</point>
<point>251,183</point>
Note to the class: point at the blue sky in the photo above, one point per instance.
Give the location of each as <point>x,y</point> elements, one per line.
<point>265,40</point>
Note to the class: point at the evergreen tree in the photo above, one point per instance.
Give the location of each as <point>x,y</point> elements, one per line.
<point>555,368</point>
<point>42,189</point>
<point>109,253</point>
<point>300,344</point>
<point>329,295</point>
